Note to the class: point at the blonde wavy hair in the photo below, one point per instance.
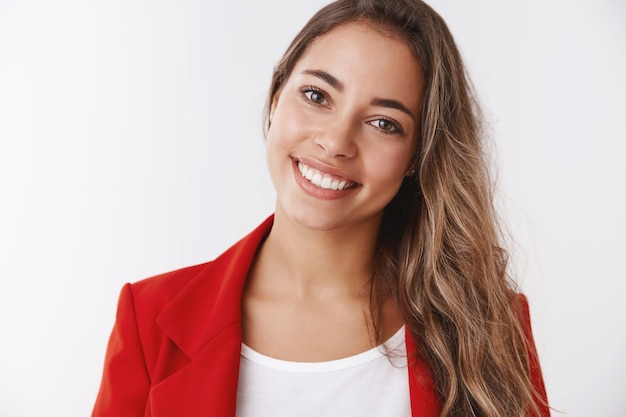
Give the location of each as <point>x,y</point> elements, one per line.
<point>439,252</point>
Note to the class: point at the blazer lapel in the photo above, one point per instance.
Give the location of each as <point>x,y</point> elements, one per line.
<point>203,323</point>
<point>424,398</point>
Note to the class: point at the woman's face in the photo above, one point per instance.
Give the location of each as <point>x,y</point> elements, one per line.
<point>344,128</point>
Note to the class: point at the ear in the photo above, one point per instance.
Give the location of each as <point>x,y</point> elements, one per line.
<point>273,105</point>
<point>410,172</point>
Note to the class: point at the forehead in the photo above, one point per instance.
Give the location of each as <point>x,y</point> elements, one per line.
<point>366,57</point>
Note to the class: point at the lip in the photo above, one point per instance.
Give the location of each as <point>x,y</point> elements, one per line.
<point>315,191</point>
<point>336,172</point>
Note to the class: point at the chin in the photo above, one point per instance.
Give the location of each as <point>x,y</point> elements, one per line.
<point>318,219</point>
<point>313,220</point>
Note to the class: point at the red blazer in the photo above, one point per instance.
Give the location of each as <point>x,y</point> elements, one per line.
<point>176,344</point>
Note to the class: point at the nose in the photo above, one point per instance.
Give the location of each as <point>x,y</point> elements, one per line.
<point>338,139</point>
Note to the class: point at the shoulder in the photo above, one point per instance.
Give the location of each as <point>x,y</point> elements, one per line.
<point>160,290</point>
<point>523,310</point>
<point>190,289</point>
<point>536,377</point>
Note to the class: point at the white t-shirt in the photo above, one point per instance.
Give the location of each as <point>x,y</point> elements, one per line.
<point>371,383</point>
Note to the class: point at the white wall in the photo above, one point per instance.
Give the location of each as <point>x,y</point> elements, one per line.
<point>130,144</point>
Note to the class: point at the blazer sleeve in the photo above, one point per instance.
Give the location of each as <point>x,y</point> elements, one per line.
<point>125,380</point>
<point>541,398</point>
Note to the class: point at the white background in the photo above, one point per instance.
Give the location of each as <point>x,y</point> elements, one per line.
<point>131,144</point>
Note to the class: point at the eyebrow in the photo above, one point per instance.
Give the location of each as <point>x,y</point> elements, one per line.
<point>392,104</point>
<point>324,76</point>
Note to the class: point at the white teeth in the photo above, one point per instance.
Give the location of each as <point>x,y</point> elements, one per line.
<point>317,179</point>
<point>320,179</point>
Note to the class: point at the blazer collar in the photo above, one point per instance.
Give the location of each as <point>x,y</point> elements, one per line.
<point>211,301</point>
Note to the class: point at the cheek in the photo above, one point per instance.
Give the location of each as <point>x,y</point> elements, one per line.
<point>389,166</point>
<point>288,127</point>
<point>284,136</point>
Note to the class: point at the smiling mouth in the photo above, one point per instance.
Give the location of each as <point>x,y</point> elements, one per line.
<point>323,180</point>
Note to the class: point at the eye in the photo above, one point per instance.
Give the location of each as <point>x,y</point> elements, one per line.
<point>387,126</point>
<point>315,96</point>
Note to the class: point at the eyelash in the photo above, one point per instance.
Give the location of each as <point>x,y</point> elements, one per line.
<point>310,89</point>
<point>395,126</point>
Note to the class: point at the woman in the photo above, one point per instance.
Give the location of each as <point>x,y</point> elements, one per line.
<point>379,286</point>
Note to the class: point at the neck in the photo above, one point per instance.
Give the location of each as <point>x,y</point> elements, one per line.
<point>306,262</point>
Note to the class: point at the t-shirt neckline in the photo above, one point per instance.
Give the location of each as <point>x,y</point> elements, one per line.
<point>326,366</point>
